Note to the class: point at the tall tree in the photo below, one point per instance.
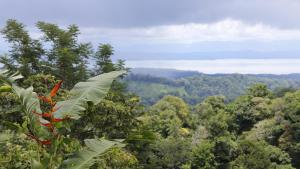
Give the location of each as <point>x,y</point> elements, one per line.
<point>66,54</point>
<point>115,116</point>
<point>103,59</point>
<point>25,51</point>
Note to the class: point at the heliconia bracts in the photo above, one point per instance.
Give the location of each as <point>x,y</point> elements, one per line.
<point>47,125</point>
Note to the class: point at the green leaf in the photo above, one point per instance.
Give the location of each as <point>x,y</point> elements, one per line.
<point>31,103</point>
<point>11,125</point>
<point>5,88</point>
<point>8,77</point>
<point>36,165</point>
<point>17,108</point>
<point>93,90</point>
<point>88,156</point>
<point>5,136</point>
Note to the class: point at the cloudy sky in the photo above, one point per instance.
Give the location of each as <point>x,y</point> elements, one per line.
<point>172,29</point>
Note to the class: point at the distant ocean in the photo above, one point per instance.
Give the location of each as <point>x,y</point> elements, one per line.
<point>243,66</point>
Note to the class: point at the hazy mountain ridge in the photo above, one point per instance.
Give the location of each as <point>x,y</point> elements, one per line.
<point>193,87</point>
<point>165,73</point>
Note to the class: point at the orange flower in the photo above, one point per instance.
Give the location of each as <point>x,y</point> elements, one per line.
<point>55,89</point>
<point>48,115</point>
<point>58,120</point>
<point>46,124</point>
<point>48,99</point>
<point>45,142</point>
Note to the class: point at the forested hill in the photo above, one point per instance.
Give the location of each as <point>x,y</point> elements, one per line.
<point>166,73</point>
<point>152,84</point>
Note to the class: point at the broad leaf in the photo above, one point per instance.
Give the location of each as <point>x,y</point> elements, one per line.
<point>8,77</point>
<point>88,156</point>
<point>31,103</point>
<point>93,90</point>
<point>5,88</point>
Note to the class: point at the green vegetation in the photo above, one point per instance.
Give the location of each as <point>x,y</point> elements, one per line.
<point>195,87</point>
<point>89,120</point>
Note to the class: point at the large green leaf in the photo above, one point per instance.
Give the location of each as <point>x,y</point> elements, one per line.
<point>93,90</point>
<point>30,103</point>
<point>88,156</point>
<point>8,77</point>
<point>5,88</point>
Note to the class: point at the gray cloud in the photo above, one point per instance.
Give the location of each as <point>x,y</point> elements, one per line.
<point>142,13</point>
<point>151,29</point>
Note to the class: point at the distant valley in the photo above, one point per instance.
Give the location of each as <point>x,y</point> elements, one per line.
<point>152,84</point>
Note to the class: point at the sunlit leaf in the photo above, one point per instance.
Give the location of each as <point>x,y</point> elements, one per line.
<point>93,90</point>
<point>87,157</point>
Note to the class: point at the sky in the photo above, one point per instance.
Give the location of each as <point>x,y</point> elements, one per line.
<point>229,65</point>
<point>171,29</point>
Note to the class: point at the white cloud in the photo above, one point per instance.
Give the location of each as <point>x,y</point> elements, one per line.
<point>224,30</point>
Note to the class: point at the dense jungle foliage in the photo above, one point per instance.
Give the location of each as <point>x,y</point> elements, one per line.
<point>59,113</point>
<point>153,84</point>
